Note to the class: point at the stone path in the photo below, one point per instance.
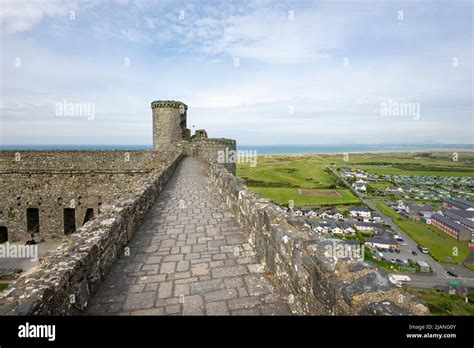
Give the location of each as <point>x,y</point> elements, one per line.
<point>188,258</point>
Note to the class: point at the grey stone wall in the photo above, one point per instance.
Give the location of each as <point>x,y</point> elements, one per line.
<point>57,162</point>
<point>314,281</point>
<point>51,181</point>
<point>64,281</point>
<point>218,151</point>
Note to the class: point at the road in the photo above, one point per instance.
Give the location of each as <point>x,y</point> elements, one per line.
<point>440,277</point>
<point>427,281</point>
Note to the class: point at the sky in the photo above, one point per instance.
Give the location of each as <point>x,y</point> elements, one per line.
<point>261,72</point>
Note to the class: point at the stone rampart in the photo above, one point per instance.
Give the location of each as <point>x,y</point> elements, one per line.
<point>319,276</point>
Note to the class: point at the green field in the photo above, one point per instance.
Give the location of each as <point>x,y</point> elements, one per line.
<point>283,195</point>
<point>441,246</point>
<point>278,178</point>
<point>441,303</point>
<point>290,171</point>
<point>417,163</point>
<point>3,286</point>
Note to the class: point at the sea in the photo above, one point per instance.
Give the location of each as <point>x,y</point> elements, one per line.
<point>269,149</point>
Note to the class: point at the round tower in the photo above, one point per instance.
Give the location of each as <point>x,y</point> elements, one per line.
<point>169,123</point>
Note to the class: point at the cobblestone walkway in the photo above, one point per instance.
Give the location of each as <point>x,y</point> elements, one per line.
<point>188,258</point>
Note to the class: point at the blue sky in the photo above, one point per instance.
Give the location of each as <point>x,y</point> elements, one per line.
<point>308,72</point>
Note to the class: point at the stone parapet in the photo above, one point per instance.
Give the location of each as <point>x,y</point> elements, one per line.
<point>219,151</point>
<point>303,264</point>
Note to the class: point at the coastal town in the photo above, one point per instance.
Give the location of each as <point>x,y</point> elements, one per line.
<point>387,222</point>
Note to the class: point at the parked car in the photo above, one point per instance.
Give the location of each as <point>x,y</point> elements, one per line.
<point>392,261</point>
<point>414,253</point>
<point>410,260</point>
<point>397,251</point>
<point>452,274</point>
<point>423,249</point>
<point>390,250</point>
<point>398,260</point>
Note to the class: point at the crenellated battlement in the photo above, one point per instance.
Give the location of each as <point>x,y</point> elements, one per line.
<point>168,104</point>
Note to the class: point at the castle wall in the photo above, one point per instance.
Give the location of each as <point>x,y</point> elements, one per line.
<point>218,151</point>
<point>64,281</point>
<point>126,184</point>
<point>52,181</point>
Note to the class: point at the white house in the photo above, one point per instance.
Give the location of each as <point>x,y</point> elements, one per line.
<point>359,211</point>
<point>359,187</point>
<point>344,226</point>
<point>376,217</point>
<point>331,214</point>
<point>335,229</point>
<point>384,240</point>
<point>401,205</point>
<point>366,226</point>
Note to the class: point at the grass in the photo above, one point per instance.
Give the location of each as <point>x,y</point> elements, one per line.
<point>470,266</point>
<point>440,245</point>
<point>418,163</point>
<point>387,211</point>
<point>441,303</point>
<point>294,170</point>
<point>278,177</point>
<point>381,185</point>
<point>390,170</point>
<point>284,195</point>
<point>3,286</point>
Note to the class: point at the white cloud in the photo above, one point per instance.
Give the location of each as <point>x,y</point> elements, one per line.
<point>22,15</point>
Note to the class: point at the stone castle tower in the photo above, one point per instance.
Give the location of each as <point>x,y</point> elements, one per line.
<point>169,123</point>
<point>170,133</point>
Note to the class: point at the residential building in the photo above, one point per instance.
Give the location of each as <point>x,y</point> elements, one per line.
<point>458,204</point>
<point>414,210</point>
<point>385,240</point>
<point>456,217</point>
<point>359,211</point>
<point>359,187</point>
<point>366,226</point>
<point>451,227</point>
